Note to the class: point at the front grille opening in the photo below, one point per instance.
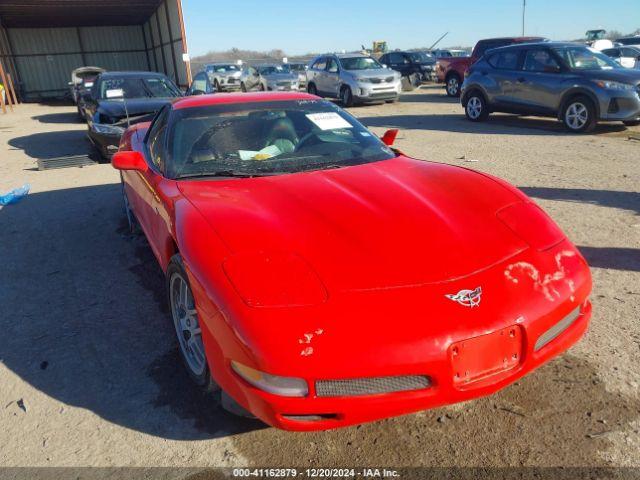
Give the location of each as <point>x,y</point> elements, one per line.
<point>311,417</point>
<point>555,331</point>
<point>613,106</point>
<point>371,386</point>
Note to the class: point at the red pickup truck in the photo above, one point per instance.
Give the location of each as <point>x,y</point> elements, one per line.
<point>450,70</point>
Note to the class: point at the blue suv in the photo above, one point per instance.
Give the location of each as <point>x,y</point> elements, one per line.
<point>577,84</point>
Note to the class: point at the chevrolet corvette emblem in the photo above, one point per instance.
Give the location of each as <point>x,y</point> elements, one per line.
<point>467,298</point>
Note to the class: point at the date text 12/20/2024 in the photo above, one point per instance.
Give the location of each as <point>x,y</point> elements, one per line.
<point>315,473</point>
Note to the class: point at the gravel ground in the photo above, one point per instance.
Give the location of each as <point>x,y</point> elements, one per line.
<point>88,375</point>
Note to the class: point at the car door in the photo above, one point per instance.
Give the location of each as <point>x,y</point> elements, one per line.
<point>397,62</point>
<point>143,193</point>
<point>331,82</point>
<point>614,53</point>
<point>502,71</point>
<point>319,70</point>
<point>540,82</point>
<point>253,78</point>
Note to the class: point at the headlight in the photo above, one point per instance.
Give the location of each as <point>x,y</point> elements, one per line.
<point>531,224</point>
<point>283,386</point>
<point>274,279</point>
<point>106,129</point>
<point>611,85</point>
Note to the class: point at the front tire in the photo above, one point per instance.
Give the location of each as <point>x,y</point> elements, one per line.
<point>216,85</point>
<point>187,325</point>
<point>476,109</point>
<point>132,221</point>
<point>579,115</point>
<point>453,85</point>
<point>311,89</point>
<point>346,97</point>
<point>243,87</point>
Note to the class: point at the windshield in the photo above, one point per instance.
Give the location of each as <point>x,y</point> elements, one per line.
<point>132,87</point>
<point>421,57</point>
<point>272,69</point>
<point>267,138</point>
<point>294,67</point>
<point>629,41</point>
<point>359,63</point>
<point>223,68</point>
<point>583,58</point>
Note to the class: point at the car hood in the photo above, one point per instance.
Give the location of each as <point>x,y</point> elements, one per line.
<point>230,73</point>
<point>373,73</point>
<point>135,107</point>
<point>280,77</point>
<point>399,222</point>
<point>625,75</point>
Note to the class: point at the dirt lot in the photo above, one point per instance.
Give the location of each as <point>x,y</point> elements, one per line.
<point>88,375</point>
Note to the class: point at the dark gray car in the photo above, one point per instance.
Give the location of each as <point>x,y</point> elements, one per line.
<point>575,83</point>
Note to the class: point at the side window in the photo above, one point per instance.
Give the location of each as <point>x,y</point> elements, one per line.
<point>332,66</point>
<point>396,58</point>
<point>540,61</point>
<point>155,140</point>
<point>482,47</point>
<point>629,52</point>
<point>321,64</point>
<point>612,52</point>
<point>199,82</point>
<point>504,60</point>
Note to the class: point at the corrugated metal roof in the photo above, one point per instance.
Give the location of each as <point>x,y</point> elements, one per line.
<point>74,13</point>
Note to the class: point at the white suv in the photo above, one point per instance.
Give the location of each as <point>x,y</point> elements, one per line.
<point>353,78</point>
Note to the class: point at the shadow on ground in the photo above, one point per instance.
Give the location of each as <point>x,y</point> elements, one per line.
<point>611,257</point>
<point>92,328</point>
<point>497,124</point>
<point>62,117</point>
<point>53,144</point>
<point>605,198</point>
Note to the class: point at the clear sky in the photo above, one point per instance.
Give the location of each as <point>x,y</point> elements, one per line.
<point>301,26</point>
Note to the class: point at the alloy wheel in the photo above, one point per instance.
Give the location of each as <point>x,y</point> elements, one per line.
<point>474,108</point>
<point>576,116</point>
<point>185,320</point>
<point>453,86</point>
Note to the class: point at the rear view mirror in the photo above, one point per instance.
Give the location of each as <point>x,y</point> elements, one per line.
<point>389,137</point>
<point>128,160</point>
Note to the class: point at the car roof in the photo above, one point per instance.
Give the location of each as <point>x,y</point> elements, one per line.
<point>516,46</point>
<point>230,98</point>
<point>348,55</point>
<point>515,39</point>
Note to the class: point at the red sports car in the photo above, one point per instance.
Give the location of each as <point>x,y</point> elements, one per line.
<point>319,278</point>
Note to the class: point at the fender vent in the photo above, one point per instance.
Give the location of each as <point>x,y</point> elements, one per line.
<point>371,386</point>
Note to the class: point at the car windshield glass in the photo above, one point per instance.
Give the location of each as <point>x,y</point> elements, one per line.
<point>293,67</point>
<point>359,63</point>
<point>421,57</point>
<point>583,58</point>
<point>271,70</point>
<point>132,87</point>
<point>267,138</point>
<point>224,68</point>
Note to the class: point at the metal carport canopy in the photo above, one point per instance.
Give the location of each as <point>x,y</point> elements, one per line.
<point>75,13</point>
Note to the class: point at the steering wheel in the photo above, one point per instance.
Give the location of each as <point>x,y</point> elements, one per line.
<point>305,139</point>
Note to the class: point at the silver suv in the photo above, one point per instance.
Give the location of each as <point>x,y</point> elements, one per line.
<point>353,78</point>
<point>268,78</point>
<point>224,76</point>
<point>577,84</point>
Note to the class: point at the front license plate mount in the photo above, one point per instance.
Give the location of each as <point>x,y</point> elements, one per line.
<point>479,358</point>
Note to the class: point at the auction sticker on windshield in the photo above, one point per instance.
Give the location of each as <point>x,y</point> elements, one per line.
<point>328,120</point>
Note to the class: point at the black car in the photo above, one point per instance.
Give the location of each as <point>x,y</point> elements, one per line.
<point>417,66</point>
<point>120,99</point>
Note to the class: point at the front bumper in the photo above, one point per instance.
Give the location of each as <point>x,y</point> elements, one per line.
<point>524,305</point>
<point>106,144</point>
<point>620,105</point>
<point>275,87</point>
<point>366,92</point>
<point>229,83</point>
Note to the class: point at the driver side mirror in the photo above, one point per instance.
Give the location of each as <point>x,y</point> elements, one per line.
<point>389,137</point>
<point>129,160</point>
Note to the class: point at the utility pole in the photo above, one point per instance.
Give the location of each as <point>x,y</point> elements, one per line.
<point>524,6</point>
